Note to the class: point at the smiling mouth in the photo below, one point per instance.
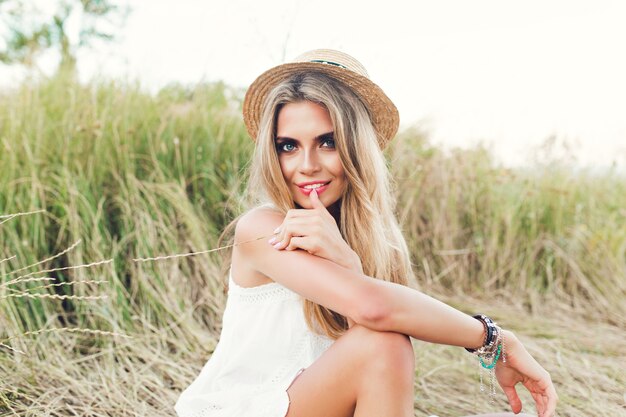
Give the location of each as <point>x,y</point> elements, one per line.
<point>319,189</point>
<point>318,185</point>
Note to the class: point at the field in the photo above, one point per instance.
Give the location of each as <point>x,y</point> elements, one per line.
<point>121,174</point>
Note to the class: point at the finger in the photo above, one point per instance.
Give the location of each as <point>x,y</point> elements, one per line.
<point>296,213</point>
<point>296,231</point>
<point>514,401</point>
<point>281,244</point>
<point>293,229</point>
<point>297,242</point>
<point>277,237</point>
<point>552,400</point>
<point>281,236</point>
<point>294,225</point>
<point>305,243</point>
<point>540,403</point>
<point>315,201</point>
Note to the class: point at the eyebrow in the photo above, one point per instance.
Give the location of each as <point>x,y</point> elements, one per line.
<point>318,138</point>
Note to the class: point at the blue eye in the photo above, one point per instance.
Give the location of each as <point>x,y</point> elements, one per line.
<point>281,147</point>
<point>331,141</point>
<point>327,142</point>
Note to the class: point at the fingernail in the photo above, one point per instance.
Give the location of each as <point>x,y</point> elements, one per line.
<point>277,245</point>
<point>272,240</point>
<point>277,230</point>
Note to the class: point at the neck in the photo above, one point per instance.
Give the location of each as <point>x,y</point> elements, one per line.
<point>335,210</point>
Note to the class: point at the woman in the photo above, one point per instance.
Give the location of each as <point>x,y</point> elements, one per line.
<point>318,318</point>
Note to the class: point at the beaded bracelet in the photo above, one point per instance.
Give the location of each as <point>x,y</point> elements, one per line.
<point>491,333</point>
<point>490,352</point>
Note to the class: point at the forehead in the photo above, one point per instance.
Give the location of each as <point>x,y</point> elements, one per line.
<point>303,118</point>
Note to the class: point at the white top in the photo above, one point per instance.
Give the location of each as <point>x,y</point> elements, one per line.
<point>264,344</point>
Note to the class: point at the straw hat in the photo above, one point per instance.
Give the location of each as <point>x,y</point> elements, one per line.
<point>338,65</point>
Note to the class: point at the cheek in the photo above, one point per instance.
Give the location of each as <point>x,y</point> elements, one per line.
<point>286,168</point>
<point>337,169</point>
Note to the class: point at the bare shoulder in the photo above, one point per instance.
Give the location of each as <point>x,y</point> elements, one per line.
<point>314,278</point>
<point>256,223</point>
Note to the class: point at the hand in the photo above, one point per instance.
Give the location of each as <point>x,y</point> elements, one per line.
<point>520,366</point>
<point>315,231</point>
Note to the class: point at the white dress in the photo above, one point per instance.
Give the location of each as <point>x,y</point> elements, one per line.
<point>265,343</point>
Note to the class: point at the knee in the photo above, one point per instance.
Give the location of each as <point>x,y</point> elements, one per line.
<point>387,352</point>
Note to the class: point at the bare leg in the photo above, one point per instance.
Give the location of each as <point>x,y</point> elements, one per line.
<point>501,415</point>
<point>365,373</point>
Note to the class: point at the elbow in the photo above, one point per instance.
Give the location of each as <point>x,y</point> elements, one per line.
<point>374,309</point>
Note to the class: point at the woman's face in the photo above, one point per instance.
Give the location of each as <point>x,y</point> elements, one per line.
<point>306,151</point>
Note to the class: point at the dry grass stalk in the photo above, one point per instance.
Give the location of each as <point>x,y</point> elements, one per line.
<point>7,259</point>
<point>55,296</point>
<point>47,259</point>
<point>12,348</point>
<point>70,330</point>
<point>65,268</point>
<point>61,284</point>
<point>181,255</point>
<point>8,217</point>
<point>21,281</point>
<point>14,293</point>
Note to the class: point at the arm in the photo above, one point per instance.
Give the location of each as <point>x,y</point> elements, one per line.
<point>411,312</point>
<point>367,301</point>
<point>385,306</point>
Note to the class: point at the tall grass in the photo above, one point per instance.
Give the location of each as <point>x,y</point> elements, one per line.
<point>136,175</point>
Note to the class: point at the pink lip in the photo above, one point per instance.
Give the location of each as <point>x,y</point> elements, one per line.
<point>302,184</point>
<point>319,190</point>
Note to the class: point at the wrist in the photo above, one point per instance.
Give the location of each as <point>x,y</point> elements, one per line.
<point>510,339</point>
<point>490,335</point>
<point>356,262</point>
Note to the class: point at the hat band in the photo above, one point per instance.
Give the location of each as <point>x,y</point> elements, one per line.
<point>321,61</point>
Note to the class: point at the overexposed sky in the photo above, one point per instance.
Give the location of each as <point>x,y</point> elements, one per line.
<point>509,74</point>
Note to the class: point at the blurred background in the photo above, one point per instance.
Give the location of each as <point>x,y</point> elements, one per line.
<point>121,137</point>
<point>510,75</point>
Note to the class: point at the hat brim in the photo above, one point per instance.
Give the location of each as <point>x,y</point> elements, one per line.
<point>383,112</point>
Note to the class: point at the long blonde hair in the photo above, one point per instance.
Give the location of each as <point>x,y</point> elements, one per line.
<point>367,219</point>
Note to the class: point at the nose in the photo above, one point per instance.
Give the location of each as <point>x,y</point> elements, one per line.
<point>309,163</point>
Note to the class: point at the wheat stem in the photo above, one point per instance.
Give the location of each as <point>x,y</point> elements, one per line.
<point>46,260</point>
<point>20,281</point>
<point>8,217</point>
<point>7,259</point>
<point>159,258</point>
<point>12,348</point>
<point>58,297</point>
<point>67,329</point>
<point>64,268</point>
<point>60,284</point>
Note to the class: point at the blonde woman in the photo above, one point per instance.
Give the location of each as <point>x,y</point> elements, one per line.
<point>319,318</point>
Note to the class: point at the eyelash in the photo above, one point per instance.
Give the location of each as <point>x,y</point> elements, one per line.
<point>280,149</point>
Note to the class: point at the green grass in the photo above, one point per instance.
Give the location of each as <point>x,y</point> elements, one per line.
<point>136,175</point>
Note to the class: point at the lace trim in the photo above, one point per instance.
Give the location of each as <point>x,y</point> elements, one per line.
<point>272,290</point>
<point>320,344</point>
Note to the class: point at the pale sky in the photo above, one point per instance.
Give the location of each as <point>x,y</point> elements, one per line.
<point>507,73</point>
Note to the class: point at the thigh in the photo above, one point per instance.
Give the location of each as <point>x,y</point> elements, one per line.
<point>330,386</point>
<point>497,415</point>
